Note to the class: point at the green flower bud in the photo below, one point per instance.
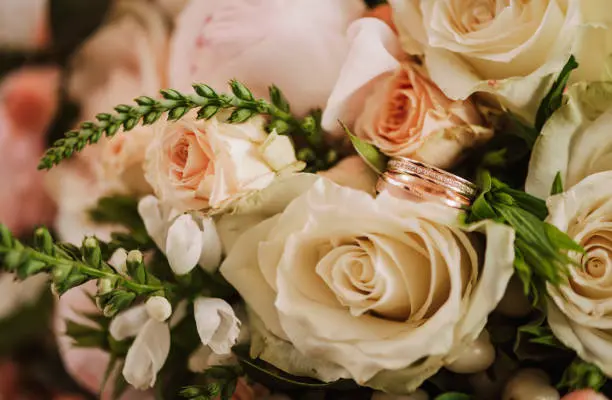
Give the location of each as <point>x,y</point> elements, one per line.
<point>92,252</point>
<point>43,240</point>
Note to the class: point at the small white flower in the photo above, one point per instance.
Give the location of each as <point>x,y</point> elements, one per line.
<point>183,244</point>
<point>129,322</point>
<point>187,240</point>
<point>158,308</point>
<point>217,324</point>
<point>147,355</point>
<point>118,261</point>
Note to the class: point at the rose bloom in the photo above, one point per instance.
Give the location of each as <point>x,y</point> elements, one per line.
<point>343,285</point>
<point>199,164</point>
<point>391,103</point>
<point>297,45</point>
<point>510,48</point>
<point>24,24</point>
<point>28,101</point>
<point>585,394</point>
<point>579,310</point>
<point>575,141</point>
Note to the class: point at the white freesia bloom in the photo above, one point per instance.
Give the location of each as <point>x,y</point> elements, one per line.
<point>186,239</point>
<point>147,354</point>
<point>217,324</point>
<point>579,312</point>
<point>510,48</point>
<point>575,141</point>
<point>118,261</point>
<point>129,322</point>
<point>363,287</point>
<point>158,308</point>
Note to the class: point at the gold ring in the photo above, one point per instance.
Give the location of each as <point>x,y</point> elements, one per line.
<point>417,181</point>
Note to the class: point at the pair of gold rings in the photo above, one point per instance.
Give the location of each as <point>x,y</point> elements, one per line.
<point>415,180</point>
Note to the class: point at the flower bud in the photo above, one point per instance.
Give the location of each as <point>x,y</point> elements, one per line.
<point>119,261</point>
<point>475,357</point>
<point>92,252</point>
<point>134,257</point>
<point>43,240</point>
<point>159,308</point>
<point>530,384</point>
<point>105,285</point>
<point>61,272</point>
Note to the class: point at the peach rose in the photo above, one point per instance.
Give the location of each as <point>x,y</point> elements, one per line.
<point>28,100</point>
<point>586,394</point>
<point>392,104</point>
<point>24,24</point>
<point>298,45</point>
<point>199,164</point>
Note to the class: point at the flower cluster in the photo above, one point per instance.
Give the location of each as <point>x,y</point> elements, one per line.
<point>237,244</point>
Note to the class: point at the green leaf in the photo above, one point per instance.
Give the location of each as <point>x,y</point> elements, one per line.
<point>553,99</point>
<point>454,396</point>
<point>373,157</point>
<point>582,375</point>
<point>112,363</point>
<point>561,240</point>
<point>557,186</point>
<point>120,210</point>
<point>520,129</point>
<point>119,387</point>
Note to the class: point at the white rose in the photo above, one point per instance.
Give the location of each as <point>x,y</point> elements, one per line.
<point>579,312</point>
<point>509,48</point>
<point>351,286</point>
<point>200,164</point>
<point>575,141</point>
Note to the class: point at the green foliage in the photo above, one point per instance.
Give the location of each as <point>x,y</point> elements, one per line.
<point>553,99</point>
<point>582,375</point>
<point>241,104</point>
<point>535,341</point>
<point>540,248</point>
<point>70,266</point>
<point>368,152</point>
<point>223,381</point>
<point>557,186</point>
<point>454,396</point>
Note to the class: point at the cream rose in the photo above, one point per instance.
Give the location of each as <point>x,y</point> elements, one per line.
<point>575,141</point>
<point>390,102</point>
<point>344,285</point>
<point>199,164</point>
<point>579,312</point>
<point>510,48</point>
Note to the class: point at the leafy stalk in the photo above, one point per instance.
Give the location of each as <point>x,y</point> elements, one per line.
<point>242,104</point>
<point>541,250</point>
<point>70,266</point>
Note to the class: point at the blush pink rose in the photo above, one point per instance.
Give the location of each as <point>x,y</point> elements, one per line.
<point>298,45</point>
<point>390,102</point>
<point>28,100</point>
<point>24,24</point>
<point>199,164</point>
<point>586,394</point>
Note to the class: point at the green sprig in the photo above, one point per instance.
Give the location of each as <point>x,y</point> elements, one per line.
<point>541,250</point>
<point>223,384</point>
<point>242,104</point>
<point>582,375</point>
<point>70,266</point>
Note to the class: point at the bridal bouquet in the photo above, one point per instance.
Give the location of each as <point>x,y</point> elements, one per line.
<point>410,202</point>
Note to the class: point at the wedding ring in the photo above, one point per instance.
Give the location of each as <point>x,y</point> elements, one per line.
<point>417,181</point>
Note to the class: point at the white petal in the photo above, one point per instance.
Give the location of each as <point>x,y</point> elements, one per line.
<point>147,355</point>
<point>128,323</point>
<point>158,308</point>
<point>204,358</point>
<point>277,150</point>
<point>118,261</point>
<point>217,324</point>
<point>149,210</point>
<point>210,259</point>
<point>183,244</point>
